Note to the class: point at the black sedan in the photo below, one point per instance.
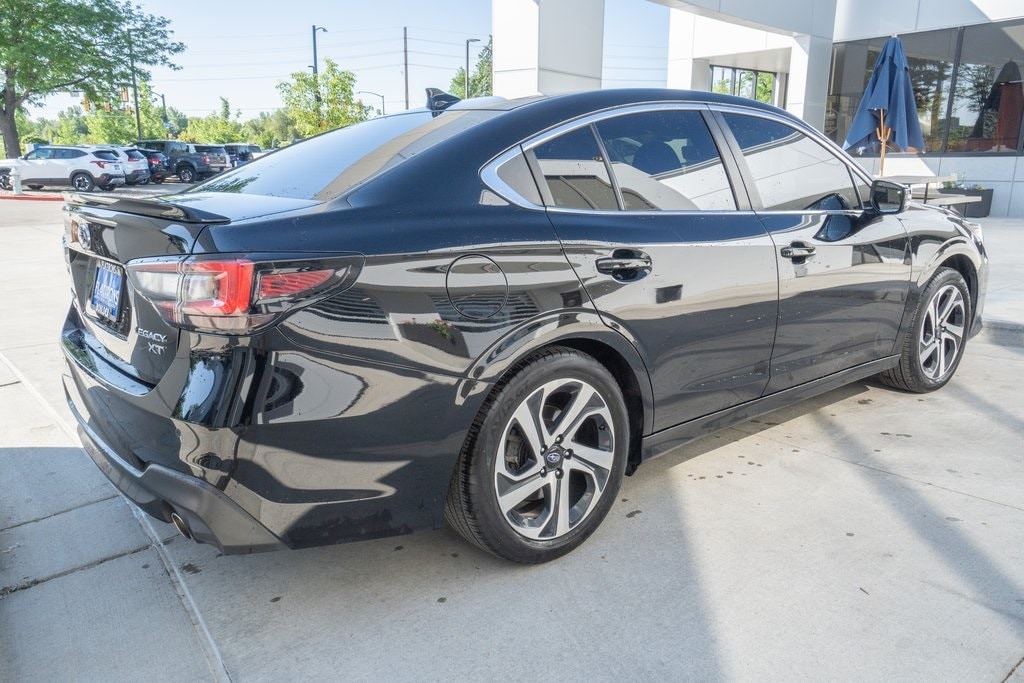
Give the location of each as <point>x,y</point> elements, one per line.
<point>489,312</point>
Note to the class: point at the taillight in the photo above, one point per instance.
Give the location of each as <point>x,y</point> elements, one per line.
<point>237,295</point>
<point>206,159</point>
<point>99,163</point>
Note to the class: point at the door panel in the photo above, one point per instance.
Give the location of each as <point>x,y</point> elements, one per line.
<point>703,318</point>
<point>646,215</point>
<point>842,304</point>
<point>844,273</point>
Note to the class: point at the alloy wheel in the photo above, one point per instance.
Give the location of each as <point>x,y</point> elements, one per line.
<point>942,333</point>
<point>555,459</point>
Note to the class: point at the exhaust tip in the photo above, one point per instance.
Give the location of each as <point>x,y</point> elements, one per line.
<point>181,525</point>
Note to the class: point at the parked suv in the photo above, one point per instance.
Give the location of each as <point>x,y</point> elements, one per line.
<point>134,163</point>
<point>159,164</point>
<point>217,156</point>
<point>187,161</point>
<point>81,168</point>
<point>241,152</point>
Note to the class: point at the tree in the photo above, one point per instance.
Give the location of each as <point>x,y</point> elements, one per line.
<point>481,81</point>
<point>317,103</point>
<point>218,127</point>
<point>38,58</point>
<point>270,130</point>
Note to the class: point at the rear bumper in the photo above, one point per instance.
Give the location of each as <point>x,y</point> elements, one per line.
<point>211,516</point>
<point>111,180</point>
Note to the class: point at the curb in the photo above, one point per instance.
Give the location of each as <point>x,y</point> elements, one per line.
<point>1003,332</point>
<point>31,198</point>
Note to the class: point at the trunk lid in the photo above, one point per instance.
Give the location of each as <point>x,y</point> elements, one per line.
<point>104,233</point>
<point>100,237</point>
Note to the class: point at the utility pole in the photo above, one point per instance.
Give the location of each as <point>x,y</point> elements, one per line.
<point>135,86</point>
<point>465,94</point>
<point>405,51</point>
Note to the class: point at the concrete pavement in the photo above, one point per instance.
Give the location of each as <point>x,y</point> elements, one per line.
<point>860,535</point>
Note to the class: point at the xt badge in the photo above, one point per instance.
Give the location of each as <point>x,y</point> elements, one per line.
<point>153,337</point>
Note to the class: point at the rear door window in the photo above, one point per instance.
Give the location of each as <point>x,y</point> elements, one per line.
<point>666,160</point>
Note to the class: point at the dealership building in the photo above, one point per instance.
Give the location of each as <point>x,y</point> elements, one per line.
<point>811,57</point>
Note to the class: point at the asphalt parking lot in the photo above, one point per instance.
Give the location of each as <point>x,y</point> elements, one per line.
<point>867,534</point>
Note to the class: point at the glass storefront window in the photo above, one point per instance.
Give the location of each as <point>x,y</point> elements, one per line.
<point>980,110</point>
<point>989,100</point>
<point>930,54</point>
<point>749,83</point>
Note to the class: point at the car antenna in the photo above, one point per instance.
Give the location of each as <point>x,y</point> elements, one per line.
<point>438,100</point>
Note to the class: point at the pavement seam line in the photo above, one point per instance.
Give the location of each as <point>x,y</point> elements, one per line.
<point>8,590</point>
<point>215,661</point>
<point>211,652</point>
<point>59,512</point>
<point>1013,670</point>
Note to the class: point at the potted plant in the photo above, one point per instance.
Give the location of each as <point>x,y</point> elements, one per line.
<point>974,209</point>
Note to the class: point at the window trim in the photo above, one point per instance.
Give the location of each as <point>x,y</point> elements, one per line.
<point>489,172</point>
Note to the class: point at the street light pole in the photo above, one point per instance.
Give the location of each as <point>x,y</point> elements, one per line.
<point>316,77</point>
<point>468,41</point>
<point>316,68</point>
<point>370,92</point>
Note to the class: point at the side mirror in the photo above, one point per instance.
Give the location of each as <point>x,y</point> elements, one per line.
<point>888,197</point>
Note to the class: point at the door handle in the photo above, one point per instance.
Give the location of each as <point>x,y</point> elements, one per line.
<point>625,264</point>
<point>797,250</point>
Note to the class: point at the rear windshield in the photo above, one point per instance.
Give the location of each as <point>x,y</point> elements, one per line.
<point>134,155</point>
<point>210,149</point>
<point>327,166</point>
<point>106,155</point>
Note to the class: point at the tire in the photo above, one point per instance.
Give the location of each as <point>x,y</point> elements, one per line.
<point>527,487</point>
<point>108,188</point>
<point>157,180</point>
<point>5,179</point>
<point>82,182</point>
<point>187,174</point>
<point>933,348</point>
<point>34,187</point>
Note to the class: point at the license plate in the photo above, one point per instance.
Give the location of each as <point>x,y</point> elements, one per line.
<point>106,292</point>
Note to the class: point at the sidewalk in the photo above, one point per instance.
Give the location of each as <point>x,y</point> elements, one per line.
<point>862,535</point>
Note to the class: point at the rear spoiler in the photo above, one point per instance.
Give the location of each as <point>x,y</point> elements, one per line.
<point>155,208</point>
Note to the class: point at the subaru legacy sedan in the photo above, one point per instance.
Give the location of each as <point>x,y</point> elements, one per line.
<point>488,312</point>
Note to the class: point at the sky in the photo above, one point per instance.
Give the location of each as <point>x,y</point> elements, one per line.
<point>242,50</point>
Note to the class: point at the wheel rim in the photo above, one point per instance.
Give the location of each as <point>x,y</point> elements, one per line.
<point>81,183</point>
<point>942,333</point>
<point>554,459</point>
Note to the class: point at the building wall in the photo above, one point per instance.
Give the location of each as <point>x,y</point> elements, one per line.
<point>858,19</point>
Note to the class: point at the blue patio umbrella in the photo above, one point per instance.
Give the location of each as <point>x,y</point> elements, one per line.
<point>887,111</point>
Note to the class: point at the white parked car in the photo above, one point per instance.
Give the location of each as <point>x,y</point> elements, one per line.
<point>83,169</point>
<point>135,163</point>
